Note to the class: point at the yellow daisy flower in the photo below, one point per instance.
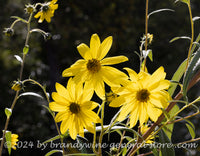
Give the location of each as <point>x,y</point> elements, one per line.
<point>47,11</point>
<point>93,69</point>
<point>14,140</point>
<point>74,108</point>
<point>143,96</point>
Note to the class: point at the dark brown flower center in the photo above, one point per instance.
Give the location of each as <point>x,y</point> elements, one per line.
<point>74,108</point>
<point>45,8</point>
<point>143,95</point>
<point>93,65</point>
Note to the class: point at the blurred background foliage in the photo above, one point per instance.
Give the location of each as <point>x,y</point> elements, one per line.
<point>74,23</point>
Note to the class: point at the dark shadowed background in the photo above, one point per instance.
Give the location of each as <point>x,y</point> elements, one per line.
<point>74,23</point>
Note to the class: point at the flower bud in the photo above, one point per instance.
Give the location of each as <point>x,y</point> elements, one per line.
<point>17,86</point>
<point>29,9</point>
<point>9,32</point>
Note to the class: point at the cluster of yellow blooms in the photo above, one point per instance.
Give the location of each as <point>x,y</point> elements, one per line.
<point>141,96</point>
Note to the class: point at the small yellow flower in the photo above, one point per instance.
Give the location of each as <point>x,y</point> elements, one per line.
<point>110,96</point>
<point>47,11</point>
<point>144,129</point>
<point>14,140</point>
<point>17,86</point>
<point>143,96</point>
<point>94,69</point>
<point>74,108</point>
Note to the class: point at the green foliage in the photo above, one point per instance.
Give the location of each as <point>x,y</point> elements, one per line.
<point>8,112</point>
<point>8,141</point>
<point>192,69</point>
<point>53,151</point>
<point>165,149</point>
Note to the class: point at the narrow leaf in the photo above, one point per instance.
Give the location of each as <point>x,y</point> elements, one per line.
<point>52,139</point>
<point>195,18</point>
<point>181,37</point>
<point>184,1</point>
<point>150,55</point>
<point>18,58</point>
<point>31,94</point>
<point>191,128</point>
<point>8,112</point>
<point>8,141</point>
<point>53,151</point>
<point>157,11</point>
<point>26,49</point>
<point>168,129</point>
<point>193,67</point>
<point>166,151</point>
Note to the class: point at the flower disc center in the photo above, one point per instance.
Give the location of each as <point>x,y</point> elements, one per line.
<point>74,108</point>
<point>93,65</point>
<point>45,8</point>
<point>143,95</point>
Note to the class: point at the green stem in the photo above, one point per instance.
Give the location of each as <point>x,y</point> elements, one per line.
<point>192,34</point>
<point>47,98</point>
<point>20,78</point>
<point>146,30</point>
<point>102,129</point>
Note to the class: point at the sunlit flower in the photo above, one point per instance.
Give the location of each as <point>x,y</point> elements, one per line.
<point>74,108</point>
<point>93,69</point>
<point>17,85</point>
<point>14,140</point>
<point>47,11</point>
<point>143,96</point>
<point>144,129</point>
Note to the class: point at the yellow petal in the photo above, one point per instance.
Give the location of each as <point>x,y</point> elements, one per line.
<point>143,116</point>
<point>133,75</point>
<point>87,92</point>
<point>61,90</point>
<point>94,45</point>
<point>57,107</point>
<point>59,99</point>
<point>104,47</point>
<point>112,76</point>
<point>117,102</point>
<point>61,116</point>
<point>114,60</point>
<point>38,14</point>
<point>84,51</point>
<point>99,87</point>
<point>134,117</point>
<point>160,85</point>
<point>65,124</point>
<point>73,130</point>
<point>153,112</point>
<point>74,69</point>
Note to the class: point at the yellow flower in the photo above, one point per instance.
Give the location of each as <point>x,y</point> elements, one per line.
<point>74,108</point>
<point>47,11</point>
<point>17,86</point>
<point>14,140</point>
<point>93,69</point>
<point>143,96</point>
<point>144,129</point>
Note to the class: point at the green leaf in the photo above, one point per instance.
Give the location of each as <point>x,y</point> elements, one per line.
<point>18,58</point>
<point>191,128</point>
<point>195,18</point>
<point>19,18</point>
<point>193,67</point>
<point>160,10</point>
<point>165,149</point>
<point>155,152</point>
<point>168,129</point>
<point>25,50</point>
<point>176,77</point>
<point>150,55</point>
<point>52,139</point>
<point>31,94</point>
<point>8,112</point>
<point>53,151</point>
<point>8,141</point>
<point>181,37</point>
